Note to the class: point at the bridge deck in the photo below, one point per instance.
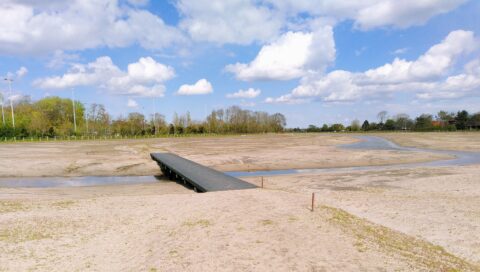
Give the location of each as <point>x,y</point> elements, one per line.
<point>202,178</point>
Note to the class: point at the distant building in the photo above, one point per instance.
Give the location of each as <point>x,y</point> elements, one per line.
<point>438,123</point>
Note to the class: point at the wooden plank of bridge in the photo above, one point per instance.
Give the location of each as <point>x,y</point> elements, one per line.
<point>202,178</point>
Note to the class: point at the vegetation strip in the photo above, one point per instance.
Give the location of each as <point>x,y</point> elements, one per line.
<point>420,253</point>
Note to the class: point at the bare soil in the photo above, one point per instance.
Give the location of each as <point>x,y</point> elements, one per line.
<point>235,153</point>
<point>422,219</point>
<point>463,141</point>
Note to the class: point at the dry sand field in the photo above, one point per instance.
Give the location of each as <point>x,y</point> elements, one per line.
<point>419,219</point>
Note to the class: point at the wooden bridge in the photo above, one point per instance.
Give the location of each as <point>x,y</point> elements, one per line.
<point>201,178</point>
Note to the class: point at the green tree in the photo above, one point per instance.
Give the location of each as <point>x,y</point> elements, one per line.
<point>423,122</point>
<point>461,120</point>
<point>355,126</point>
<point>389,125</point>
<point>365,125</point>
<point>337,127</point>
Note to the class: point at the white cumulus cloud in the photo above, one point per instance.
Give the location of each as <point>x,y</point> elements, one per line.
<point>429,76</point>
<point>200,87</point>
<point>142,78</point>
<point>247,21</point>
<point>233,21</point>
<point>250,93</point>
<point>132,103</point>
<point>434,63</point>
<point>21,72</point>
<point>401,14</point>
<point>40,27</point>
<point>293,55</point>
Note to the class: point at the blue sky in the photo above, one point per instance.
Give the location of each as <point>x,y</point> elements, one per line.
<point>314,61</point>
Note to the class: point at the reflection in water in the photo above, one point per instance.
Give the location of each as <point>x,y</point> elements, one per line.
<point>378,143</point>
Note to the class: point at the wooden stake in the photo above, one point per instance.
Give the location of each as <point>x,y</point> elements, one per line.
<point>313,201</point>
<point>262,182</point>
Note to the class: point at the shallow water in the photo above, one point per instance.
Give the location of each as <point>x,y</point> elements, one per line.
<point>366,143</point>
<point>49,182</point>
<point>378,143</point>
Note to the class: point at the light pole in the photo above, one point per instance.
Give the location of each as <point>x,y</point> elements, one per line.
<point>74,114</point>
<point>9,80</point>
<point>86,116</point>
<point>155,116</point>
<point>3,113</point>
<point>143,121</point>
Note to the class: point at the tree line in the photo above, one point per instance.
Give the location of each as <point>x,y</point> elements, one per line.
<point>442,121</point>
<point>55,116</point>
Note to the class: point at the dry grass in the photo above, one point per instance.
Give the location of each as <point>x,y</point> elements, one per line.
<point>419,253</point>
<point>63,204</point>
<point>11,206</point>
<point>201,223</point>
<point>23,232</point>
<point>266,222</point>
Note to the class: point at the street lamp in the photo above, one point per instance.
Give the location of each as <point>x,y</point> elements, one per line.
<point>155,115</point>
<point>143,121</point>
<point>3,113</point>
<point>74,114</point>
<point>9,80</point>
<point>86,116</point>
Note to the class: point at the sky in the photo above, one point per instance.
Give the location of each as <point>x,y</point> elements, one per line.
<point>315,61</point>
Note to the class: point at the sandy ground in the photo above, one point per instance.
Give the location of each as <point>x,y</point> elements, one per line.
<point>239,153</point>
<point>440,205</point>
<point>397,220</point>
<point>250,230</point>
<point>463,141</point>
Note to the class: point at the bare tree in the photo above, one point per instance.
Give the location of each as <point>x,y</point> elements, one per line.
<point>382,116</point>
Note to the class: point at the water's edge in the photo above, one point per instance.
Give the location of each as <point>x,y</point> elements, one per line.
<point>365,143</point>
<point>461,158</point>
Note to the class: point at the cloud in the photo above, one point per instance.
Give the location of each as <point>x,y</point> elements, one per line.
<point>434,63</point>
<point>15,98</point>
<point>250,93</point>
<point>234,21</point>
<point>245,22</point>
<point>37,27</point>
<point>463,84</point>
<point>401,14</point>
<point>293,55</point>
<point>42,27</point>
<point>142,78</point>
<point>60,58</point>
<point>132,103</point>
<point>21,72</point>
<point>200,87</point>
<point>368,14</point>
<point>287,99</point>
<point>400,51</point>
<point>138,2</point>
<point>148,70</point>
<point>429,76</point>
